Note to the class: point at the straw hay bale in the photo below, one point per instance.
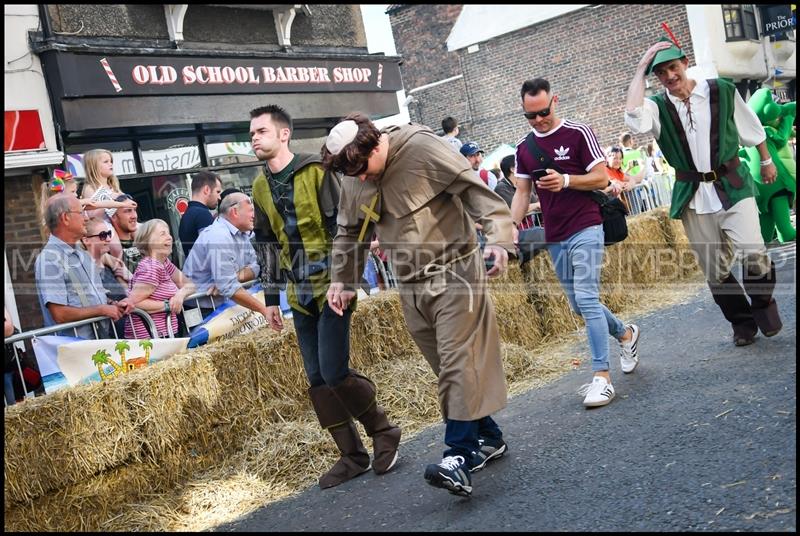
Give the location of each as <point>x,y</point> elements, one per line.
<point>64,437</point>
<point>522,366</point>
<point>170,402</point>
<point>633,265</point>
<point>516,316</point>
<point>94,502</point>
<point>685,260</point>
<point>554,317</point>
<point>378,331</point>
<point>255,369</point>
<point>407,390</point>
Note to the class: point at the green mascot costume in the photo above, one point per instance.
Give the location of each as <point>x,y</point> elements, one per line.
<point>774,200</point>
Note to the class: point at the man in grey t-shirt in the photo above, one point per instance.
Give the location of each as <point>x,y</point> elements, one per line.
<point>69,286</point>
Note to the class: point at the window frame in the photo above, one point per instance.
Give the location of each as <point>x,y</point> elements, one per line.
<point>746,22</point>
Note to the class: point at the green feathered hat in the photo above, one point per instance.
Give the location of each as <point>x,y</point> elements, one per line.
<point>668,54</point>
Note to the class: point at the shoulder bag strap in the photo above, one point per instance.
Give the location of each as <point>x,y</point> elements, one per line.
<point>536,151</point>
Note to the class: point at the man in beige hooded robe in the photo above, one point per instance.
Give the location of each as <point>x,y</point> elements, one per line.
<point>423,200</point>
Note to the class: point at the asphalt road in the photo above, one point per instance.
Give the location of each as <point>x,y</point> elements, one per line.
<point>701,437</point>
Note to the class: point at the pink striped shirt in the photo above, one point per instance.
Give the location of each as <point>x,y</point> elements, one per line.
<point>152,272</point>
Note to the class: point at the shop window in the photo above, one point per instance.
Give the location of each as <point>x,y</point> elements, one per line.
<point>171,154</point>
<point>121,152</point>
<point>241,177</point>
<point>229,149</point>
<point>740,22</point>
<point>165,197</point>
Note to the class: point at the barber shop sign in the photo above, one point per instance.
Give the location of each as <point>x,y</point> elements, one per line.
<point>86,75</point>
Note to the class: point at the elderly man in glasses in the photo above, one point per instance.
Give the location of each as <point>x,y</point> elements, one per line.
<point>700,125</point>
<point>68,283</point>
<point>424,200</point>
<point>563,161</point>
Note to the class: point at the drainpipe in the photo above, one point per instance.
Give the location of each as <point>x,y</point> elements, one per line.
<point>44,16</point>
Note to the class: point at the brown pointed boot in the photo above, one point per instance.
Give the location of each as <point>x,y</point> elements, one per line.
<point>334,417</point>
<point>357,393</point>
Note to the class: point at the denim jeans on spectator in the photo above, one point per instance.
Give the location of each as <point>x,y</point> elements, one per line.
<point>462,436</point>
<point>8,387</point>
<point>577,261</point>
<point>324,340</point>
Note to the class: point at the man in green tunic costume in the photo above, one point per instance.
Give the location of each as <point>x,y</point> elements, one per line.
<point>699,125</point>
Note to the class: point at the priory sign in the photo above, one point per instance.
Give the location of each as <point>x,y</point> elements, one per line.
<point>85,75</point>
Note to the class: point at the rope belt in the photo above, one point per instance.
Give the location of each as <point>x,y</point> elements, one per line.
<point>434,274</point>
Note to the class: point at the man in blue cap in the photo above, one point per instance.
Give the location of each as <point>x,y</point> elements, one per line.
<point>699,125</point>
<point>474,154</point>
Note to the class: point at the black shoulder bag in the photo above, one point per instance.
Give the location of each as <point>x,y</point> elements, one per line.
<point>612,210</point>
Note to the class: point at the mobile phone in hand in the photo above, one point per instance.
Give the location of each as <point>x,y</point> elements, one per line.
<point>538,174</point>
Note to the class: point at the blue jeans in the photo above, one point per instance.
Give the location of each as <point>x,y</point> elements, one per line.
<point>324,340</point>
<point>577,261</point>
<point>462,436</point>
<point>8,387</point>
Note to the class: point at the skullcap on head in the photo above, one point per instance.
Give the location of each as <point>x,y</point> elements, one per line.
<point>341,135</point>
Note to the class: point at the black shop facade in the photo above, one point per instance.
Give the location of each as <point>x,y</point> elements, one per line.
<point>165,117</point>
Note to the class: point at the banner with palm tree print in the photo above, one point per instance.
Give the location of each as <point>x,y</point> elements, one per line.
<point>66,361</point>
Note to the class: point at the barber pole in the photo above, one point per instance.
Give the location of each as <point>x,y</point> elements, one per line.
<point>380,73</point>
<point>110,74</point>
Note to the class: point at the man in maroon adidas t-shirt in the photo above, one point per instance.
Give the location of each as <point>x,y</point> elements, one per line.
<point>570,164</point>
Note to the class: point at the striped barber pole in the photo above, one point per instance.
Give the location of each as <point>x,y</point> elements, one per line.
<point>380,74</point>
<point>110,74</point>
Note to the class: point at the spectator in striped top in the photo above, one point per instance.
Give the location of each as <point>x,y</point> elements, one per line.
<point>157,286</point>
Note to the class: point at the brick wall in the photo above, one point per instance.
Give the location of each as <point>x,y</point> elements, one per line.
<point>23,242</point>
<point>420,35</point>
<point>588,56</point>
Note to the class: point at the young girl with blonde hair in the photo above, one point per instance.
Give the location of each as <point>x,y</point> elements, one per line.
<point>102,186</point>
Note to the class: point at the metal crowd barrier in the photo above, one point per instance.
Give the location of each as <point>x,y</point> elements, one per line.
<point>648,195</point>
<point>196,297</point>
<point>21,343</point>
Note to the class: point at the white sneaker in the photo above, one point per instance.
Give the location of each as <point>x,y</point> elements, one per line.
<point>598,393</point>
<point>628,351</point>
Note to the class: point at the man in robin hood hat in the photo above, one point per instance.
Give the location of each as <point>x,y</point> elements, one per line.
<point>699,125</point>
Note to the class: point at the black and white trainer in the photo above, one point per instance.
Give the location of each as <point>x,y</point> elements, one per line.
<point>628,351</point>
<point>598,393</point>
<point>490,449</point>
<point>451,474</point>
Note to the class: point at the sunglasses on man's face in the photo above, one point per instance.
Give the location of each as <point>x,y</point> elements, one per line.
<point>102,235</point>
<point>540,113</point>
